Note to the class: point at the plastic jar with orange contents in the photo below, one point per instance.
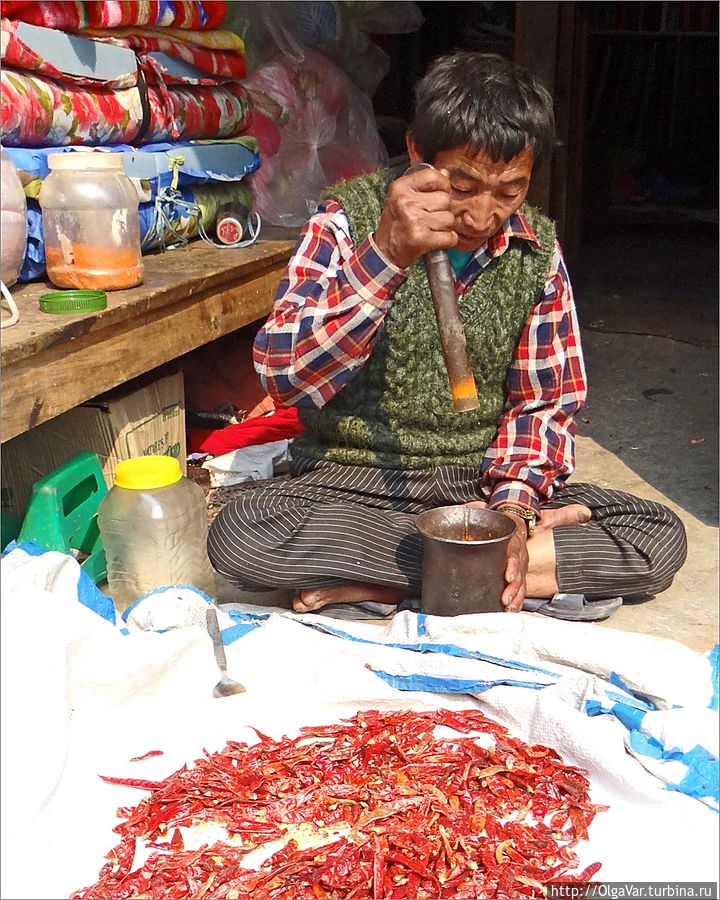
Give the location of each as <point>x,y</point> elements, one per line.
<point>90,222</point>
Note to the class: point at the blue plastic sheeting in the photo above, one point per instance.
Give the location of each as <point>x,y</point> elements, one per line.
<point>443,685</point>
<point>639,701</point>
<point>447,649</point>
<point>713,658</point>
<point>701,779</point>
<point>244,624</point>
<point>207,161</point>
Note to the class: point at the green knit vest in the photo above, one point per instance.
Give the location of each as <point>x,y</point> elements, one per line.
<point>397,412</point>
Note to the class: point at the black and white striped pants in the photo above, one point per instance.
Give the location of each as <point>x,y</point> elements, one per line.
<point>329,524</point>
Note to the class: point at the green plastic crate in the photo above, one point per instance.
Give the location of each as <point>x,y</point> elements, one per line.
<point>62,512</point>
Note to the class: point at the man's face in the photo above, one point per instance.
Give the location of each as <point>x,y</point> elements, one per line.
<point>483,193</point>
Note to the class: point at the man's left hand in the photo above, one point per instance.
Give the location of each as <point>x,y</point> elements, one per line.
<point>516,568</point>
<point>517,563</point>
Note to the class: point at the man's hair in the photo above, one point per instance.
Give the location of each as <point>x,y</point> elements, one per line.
<point>485,101</point>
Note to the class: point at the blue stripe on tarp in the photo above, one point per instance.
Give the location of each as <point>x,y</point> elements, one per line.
<point>702,766</point>
<point>91,596</point>
<point>88,593</point>
<point>240,629</point>
<point>30,549</point>
<point>646,745</point>
<point>421,624</point>
<point>244,624</point>
<point>447,649</point>
<point>701,779</point>
<point>240,616</point>
<point>441,685</point>
<point>629,700</point>
<point>630,717</point>
<point>713,659</point>
<point>639,699</point>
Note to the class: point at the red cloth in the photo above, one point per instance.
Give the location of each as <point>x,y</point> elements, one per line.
<point>282,424</point>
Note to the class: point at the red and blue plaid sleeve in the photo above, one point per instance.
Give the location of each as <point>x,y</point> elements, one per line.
<point>533,452</point>
<point>331,302</point>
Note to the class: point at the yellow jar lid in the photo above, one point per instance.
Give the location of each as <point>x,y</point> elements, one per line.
<point>147,472</point>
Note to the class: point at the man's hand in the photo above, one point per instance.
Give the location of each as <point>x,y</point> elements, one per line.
<point>516,568</point>
<point>416,217</point>
<point>517,563</point>
<point>517,552</point>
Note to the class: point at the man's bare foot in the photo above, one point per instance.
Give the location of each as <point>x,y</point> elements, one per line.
<point>572,514</point>
<point>310,599</point>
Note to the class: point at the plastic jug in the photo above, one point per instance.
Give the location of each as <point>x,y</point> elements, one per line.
<point>13,226</point>
<point>90,222</point>
<point>154,528</point>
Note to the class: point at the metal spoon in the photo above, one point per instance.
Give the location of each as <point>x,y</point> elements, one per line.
<point>226,687</point>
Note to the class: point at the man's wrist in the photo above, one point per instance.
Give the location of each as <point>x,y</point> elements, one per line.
<point>519,512</point>
<point>371,276</point>
<point>384,253</point>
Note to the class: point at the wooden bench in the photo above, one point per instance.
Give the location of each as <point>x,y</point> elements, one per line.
<point>189,297</point>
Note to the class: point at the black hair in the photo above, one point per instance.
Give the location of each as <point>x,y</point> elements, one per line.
<point>485,101</point>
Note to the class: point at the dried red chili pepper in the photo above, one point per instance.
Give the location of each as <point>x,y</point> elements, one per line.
<point>392,811</point>
<point>147,755</point>
<point>133,782</point>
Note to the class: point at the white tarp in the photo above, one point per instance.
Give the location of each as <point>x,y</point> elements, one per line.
<point>81,695</point>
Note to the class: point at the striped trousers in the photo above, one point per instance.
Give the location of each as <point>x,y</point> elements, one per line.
<point>330,524</point>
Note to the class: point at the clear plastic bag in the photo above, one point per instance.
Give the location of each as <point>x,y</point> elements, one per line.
<point>340,30</point>
<point>326,130</point>
<point>13,227</point>
<point>353,48</point>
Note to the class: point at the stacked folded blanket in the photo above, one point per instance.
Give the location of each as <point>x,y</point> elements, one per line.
<point>167,87</point>
<point>159,82</point>
<point>63,16</point>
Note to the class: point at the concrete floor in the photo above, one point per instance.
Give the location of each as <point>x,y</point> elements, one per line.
<point>648,299</point>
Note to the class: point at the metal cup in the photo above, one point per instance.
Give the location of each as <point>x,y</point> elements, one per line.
<point>464,559</point>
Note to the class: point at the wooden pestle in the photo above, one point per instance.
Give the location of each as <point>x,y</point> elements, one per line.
<point>450,325</point>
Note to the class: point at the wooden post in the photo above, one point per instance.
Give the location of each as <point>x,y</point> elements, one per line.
<point>551,41</point>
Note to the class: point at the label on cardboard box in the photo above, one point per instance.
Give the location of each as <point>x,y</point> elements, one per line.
<point>119,425</point>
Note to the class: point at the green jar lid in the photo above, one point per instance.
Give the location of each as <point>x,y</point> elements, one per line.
<point>73,301</point>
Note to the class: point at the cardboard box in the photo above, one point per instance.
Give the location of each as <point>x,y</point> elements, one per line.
<point>127,422</point>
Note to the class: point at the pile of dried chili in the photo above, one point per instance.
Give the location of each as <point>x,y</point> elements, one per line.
<point>384,805</point>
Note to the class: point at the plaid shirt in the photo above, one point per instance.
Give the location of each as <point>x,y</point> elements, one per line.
<point>331,304</point>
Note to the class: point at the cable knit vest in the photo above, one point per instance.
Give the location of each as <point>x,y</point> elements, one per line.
<point>397,412</point>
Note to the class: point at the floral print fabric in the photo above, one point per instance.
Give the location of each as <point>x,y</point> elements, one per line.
<point>38,112</point>
<point>64,15</point>
<point>225,64</point>
<point>16,53</point>
<point>220,65</point>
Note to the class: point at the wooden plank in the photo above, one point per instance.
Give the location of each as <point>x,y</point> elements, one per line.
<point>190,296</point>
<point>177,274</point>
<point>61,377</point>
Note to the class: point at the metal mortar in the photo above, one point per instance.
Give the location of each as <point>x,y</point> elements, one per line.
<point>464,559</point>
